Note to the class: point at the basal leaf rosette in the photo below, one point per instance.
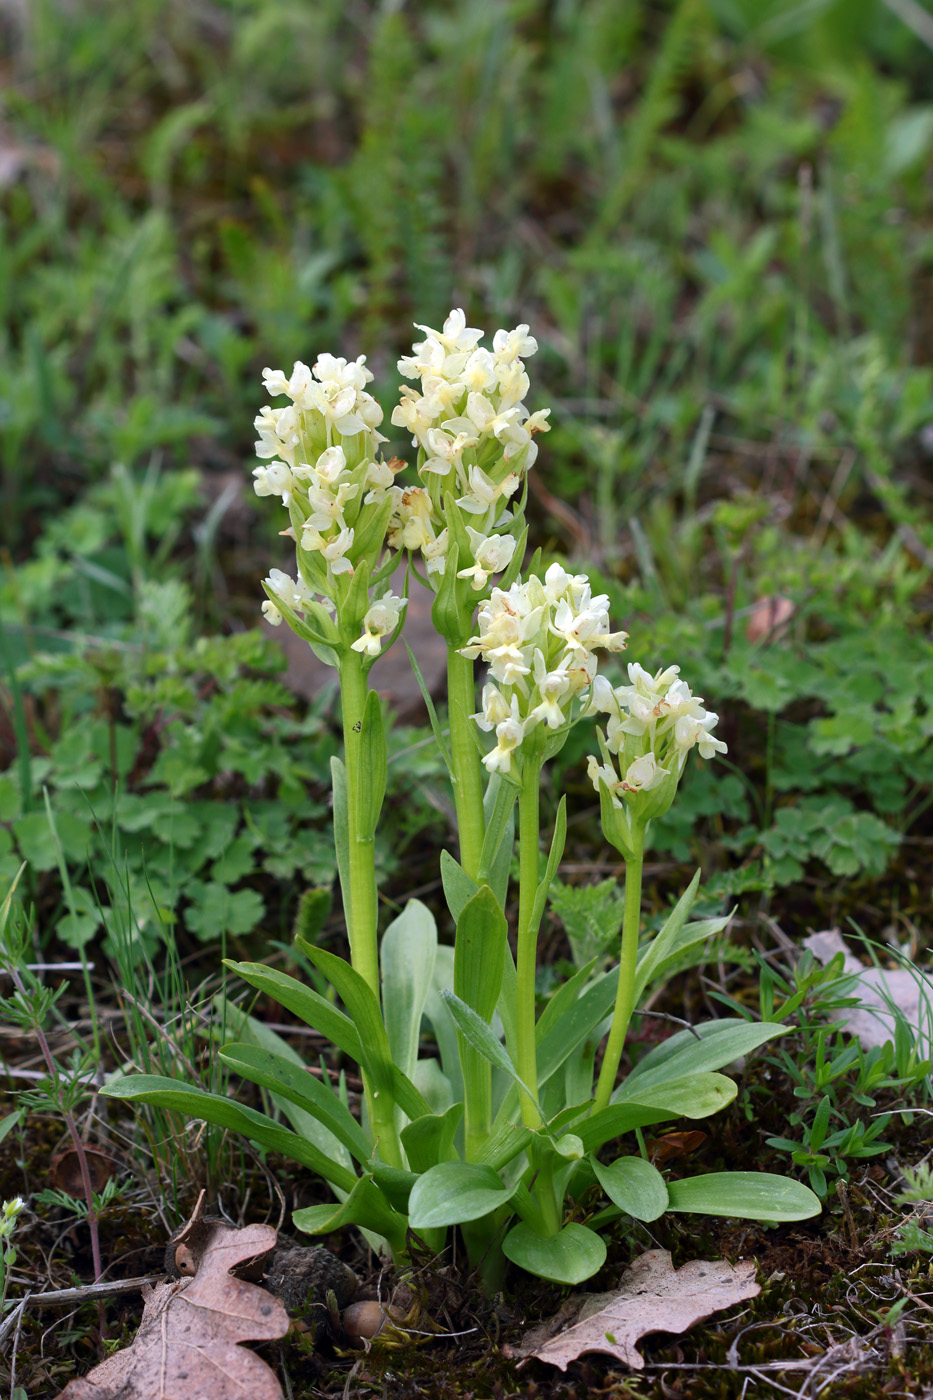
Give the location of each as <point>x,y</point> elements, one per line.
<point>321,458</point>
<point>653,723</point>
<point>539,640</point>
<point>476,442</point>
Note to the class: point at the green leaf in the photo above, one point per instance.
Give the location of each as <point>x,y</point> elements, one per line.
<point>689,1096</point>
<point>338,775</point>
<point>591,916</point>
<point>459,887</point>
<point>634,1185</point>
<point>562,1000</point>
<point>572,1255</point>
<point>396,1185</point>
<point>577,1024</point>
<point>616,1120</point>
<point>8,1123</point>
<point>10,804</point>
<point>226,1113</point>
<point>314,1010</point>
<point>476,1031</point>
<point>820,1125</point>
<point>374,764</point>
<point>499,838</point>
<point>218,909</point>
<point>249,1031</point>
<point>442,1023</point>
<point>294,1083</point>
<point>664,944</point>
<point>691,934</point>
<point>36,839</point>
<point>236,862</point>
<point>479,956</point>
<point>715,1044</point>
<point>407,953</point>
<point>454,1192</point>
<point>553,861</point>
<point>429,1139</point>
<point>365,1206</point>
<point>479,953</point>
<point>504,1144</point>
<point>743,1196</point>
<point>375,1054</point>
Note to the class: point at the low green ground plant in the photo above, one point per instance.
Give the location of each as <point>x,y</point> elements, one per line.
<point>847,1094</point>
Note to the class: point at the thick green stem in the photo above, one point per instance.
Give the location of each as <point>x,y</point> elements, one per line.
<point>527,947</point>
<point>466,762</point>
<point>360,899</point>
<point>360,904</point>
<point>625,995</point>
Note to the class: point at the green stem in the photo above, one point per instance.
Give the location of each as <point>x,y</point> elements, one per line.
<point>465,761</point>
<point>360,898</point>
<point>527,947</point>
<point>625,994</point>
<point>360,903</point>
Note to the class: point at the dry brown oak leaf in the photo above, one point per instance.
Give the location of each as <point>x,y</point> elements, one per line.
<point>187,1346</point>
<point>652,1297</point>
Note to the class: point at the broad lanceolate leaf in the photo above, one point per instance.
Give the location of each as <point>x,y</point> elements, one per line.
<point>553,861</point>
<point>577,1024</point>
<point>479,953</point>
<point>504,1144</point>
<point>633,1185</point>
<point>454,1192</point>
<point>250,1031</point>
<point>442,1023</point>
<point>407,953</point>
<point>295,1083</point>
<point>365,1206</point>
<point>374,765</point>
<point>459,887</point>
<point>689,1096</point>
<point>429,1140</point>
<point>562,1000</point>
<point>475,1030</point>
<point>714,1044</point>
<point>215,1108</point>
<point>314,1010</point>
<point>338,776</point>
<point>496,855</point>
<point>572,1255</point>
<point>375,1054</point>
<point>744,1195</point>
<point>658,968</point>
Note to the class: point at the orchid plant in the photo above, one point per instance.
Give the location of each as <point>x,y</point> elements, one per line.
<point>495,1122</point>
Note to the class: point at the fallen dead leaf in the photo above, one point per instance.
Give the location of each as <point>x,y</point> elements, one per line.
<point>65,1170</point>
<point>652,1297</point>
<point>187,1346</point>
<point>879,991</point>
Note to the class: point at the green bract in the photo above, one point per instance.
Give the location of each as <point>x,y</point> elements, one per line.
<point>494,1125</point>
